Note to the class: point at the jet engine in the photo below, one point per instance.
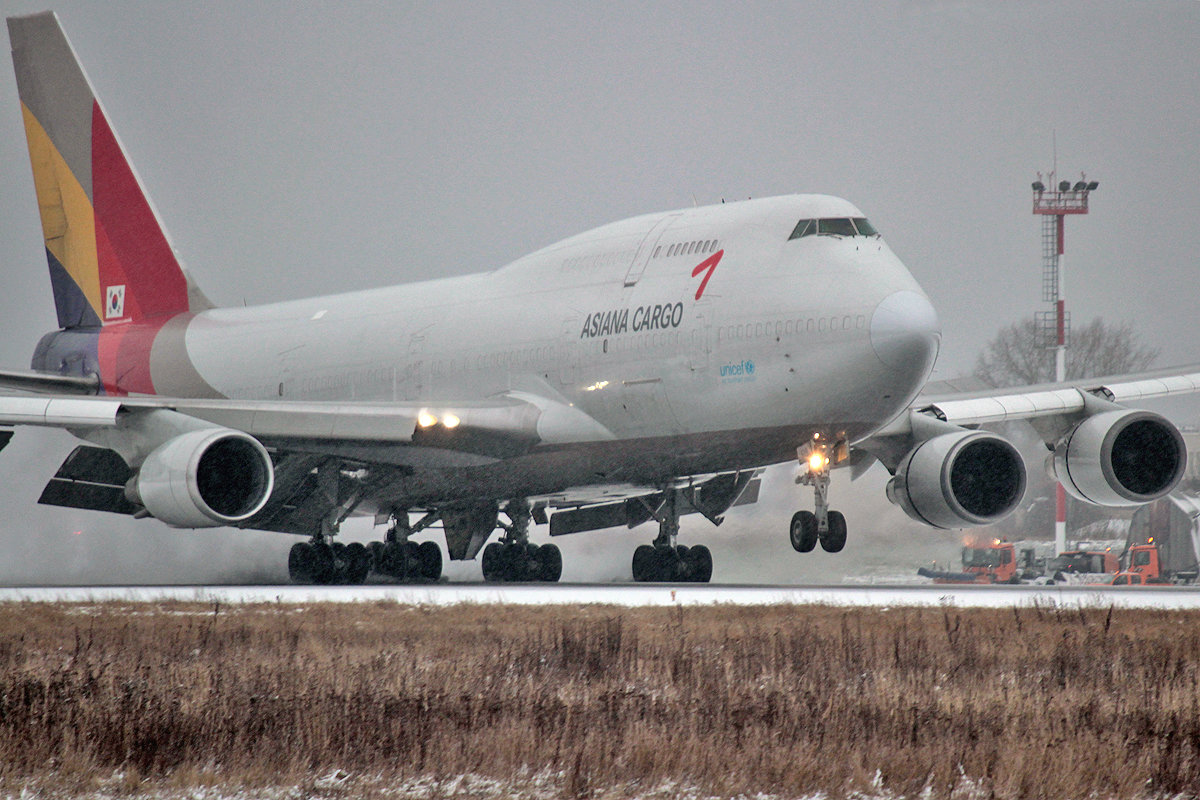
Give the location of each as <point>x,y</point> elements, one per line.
<point>1120,458</point>
<point>204,479</point>
<point>959,480</point>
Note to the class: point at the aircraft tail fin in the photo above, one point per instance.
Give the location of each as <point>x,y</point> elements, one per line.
<point>109,255</point>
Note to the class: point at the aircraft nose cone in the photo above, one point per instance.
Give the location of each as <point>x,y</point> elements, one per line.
<point>905,332</point>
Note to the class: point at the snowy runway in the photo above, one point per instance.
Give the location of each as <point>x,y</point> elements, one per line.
<point>1167,597</point>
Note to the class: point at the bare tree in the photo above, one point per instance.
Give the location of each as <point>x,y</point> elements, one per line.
<point>1017,355</point>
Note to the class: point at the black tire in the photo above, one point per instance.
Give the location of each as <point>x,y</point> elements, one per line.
<point>803,531</point>
<point>669,566</point>
<point>375,552</point>
<point>323,571</point>
<point>645,563</point>
<point>430,556</point>
<point>392,560</point>
<point>549,563</point>
<point>834,539</point>
<point>358,563</point>
<point>493,562</point>
<point>412,561</point>
<point>526,562</point>
<point>700,564</point>
<point>341,564</point>
<point>300,564</point>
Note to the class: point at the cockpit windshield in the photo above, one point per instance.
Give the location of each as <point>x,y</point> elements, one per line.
<point>833,226</point>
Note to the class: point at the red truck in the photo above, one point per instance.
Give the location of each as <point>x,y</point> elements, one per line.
<point>991,562</point>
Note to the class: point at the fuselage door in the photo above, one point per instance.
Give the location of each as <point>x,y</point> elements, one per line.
<point>415,379</point>
<point>700,339</point>
<point>646,249</point>
<point>568,359</point>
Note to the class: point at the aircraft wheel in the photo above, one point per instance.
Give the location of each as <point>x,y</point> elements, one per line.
<point>526,565</point>
<point>412,560</point>
<point>493,562</point>
<point>670,564</point>
<point>803,531</point>
<point>430,556</point>
<point>358,563</point>
<point>341,564</point>
<point>375,552</point>
<point>391,559</point>
<point>835,538</point>
<point>700,564</point>
<point>324,570</point>
<point>645,563</point>
<point>549,563</point>
<point>300,563</point>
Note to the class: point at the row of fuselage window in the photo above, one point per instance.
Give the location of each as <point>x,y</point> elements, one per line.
<point>686,248</point>
<point>791,327</point>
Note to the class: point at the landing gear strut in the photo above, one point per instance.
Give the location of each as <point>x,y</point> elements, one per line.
<point>665,559</point>
<point>514,557</point>
<point>824,525</point>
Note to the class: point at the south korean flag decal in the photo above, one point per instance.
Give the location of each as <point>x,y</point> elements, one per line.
<point>114,304</point>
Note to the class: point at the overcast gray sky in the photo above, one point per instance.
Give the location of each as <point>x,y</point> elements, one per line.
<point>301,150</point>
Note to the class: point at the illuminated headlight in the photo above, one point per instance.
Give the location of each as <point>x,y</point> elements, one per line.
<point>450,420</point>
<point>426,420</point>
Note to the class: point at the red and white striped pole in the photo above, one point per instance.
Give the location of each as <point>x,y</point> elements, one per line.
<point>1060,375</point>
<point>1058,200</point>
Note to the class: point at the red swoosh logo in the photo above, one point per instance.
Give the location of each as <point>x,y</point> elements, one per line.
<point>709,264</point>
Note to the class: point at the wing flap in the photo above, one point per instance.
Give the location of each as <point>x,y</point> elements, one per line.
<point>91,478</point>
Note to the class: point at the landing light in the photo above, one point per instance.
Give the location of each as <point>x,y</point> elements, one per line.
<point>451,421</point>
<point>817,462</point>
<point>426,420</point>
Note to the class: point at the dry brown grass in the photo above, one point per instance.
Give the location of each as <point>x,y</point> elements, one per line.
<point>1030,703</point>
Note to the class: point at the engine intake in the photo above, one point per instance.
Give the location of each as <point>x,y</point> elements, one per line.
<point>1120,458</point>
<point>205,479</point>
<point>959,480</point>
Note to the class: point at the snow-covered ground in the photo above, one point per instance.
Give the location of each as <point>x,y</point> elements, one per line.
<point>1170,597</point>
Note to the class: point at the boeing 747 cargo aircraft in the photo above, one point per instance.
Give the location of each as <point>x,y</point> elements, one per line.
<point>670,358</point>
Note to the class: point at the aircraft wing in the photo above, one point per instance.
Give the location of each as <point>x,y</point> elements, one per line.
<point>974,408</point>
<point>323,455</point>
<point>514,420</point>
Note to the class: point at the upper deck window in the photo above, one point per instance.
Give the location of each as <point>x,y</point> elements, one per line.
<point>833,226</point>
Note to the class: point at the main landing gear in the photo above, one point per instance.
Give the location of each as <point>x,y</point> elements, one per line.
<point>665,560</point>
<point>824,525</point>
<point>323,561</point>
<point>514,557</point>
<point>397,556</point>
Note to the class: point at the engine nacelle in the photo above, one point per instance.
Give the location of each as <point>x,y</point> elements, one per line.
<point>1120,458</point>
<point>959,480</point>
<point>205,479</point>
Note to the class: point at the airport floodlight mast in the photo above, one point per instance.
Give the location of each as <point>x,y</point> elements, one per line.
<point>1054,203</point>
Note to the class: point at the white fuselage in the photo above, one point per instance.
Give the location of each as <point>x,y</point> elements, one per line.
<point>823,334</point>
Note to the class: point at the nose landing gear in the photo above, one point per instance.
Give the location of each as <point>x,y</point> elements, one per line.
<point>823,525</point>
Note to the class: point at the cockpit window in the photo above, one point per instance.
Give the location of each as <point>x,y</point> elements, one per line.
<point>865,228</point>
<point>833,226</point>
<point>837,226</point>
<point>805,227</point>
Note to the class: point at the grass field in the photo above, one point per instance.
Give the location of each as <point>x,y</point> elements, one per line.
<point>387,700</point>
